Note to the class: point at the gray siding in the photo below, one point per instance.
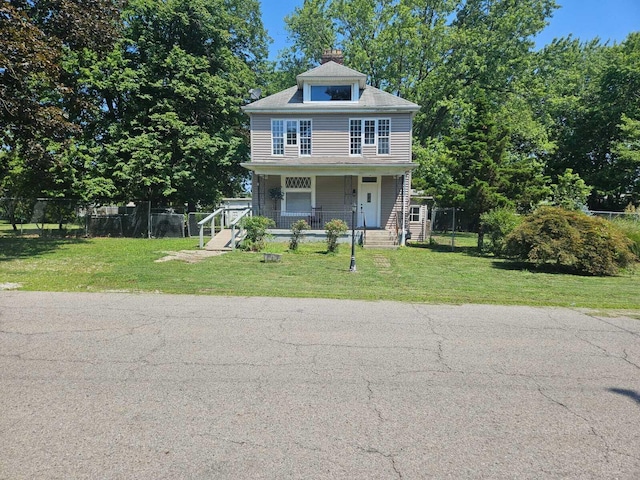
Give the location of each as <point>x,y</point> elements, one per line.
<point>391,201</point>
<point>330,137</point>
<point>335,193</point>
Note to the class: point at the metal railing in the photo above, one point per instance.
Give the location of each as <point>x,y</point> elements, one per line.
<point>316,220</point>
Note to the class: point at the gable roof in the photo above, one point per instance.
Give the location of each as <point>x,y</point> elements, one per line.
<point>332,71</point>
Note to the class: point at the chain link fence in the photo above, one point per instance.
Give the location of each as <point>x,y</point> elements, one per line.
<point>63,217</point>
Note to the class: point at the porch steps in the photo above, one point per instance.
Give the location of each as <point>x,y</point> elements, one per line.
<point>380,239</point>
<point>221,242</point>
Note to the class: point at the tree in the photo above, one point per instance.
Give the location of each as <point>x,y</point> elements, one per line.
<point>172,128</point>
<point>627,150</point>
<point>42,107</point>
<point>602,87</point>
<point>570,192</point>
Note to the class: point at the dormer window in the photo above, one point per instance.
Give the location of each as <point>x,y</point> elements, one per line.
<point>323,91</point>
<point>331,93</point>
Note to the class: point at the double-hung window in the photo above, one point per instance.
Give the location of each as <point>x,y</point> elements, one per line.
<point>355,137</point>
<point>305,137</point>
<point>287,134</point>
<point>277,137</point>
<point>369,131</point>
<point>292,132</point>
<point>383,136</point>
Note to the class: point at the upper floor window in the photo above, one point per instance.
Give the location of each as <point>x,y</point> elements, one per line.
<point>369,131</point>
<point>355,137</point>
<point>292,132</point>
<point>296,132</point>
<point>323,93</point>
<point>384,126</point>
<point>305,137</point>
<point>330,93</point>
<point>277,137</point>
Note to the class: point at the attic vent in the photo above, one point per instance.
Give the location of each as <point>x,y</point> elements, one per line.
<point>332,55</point>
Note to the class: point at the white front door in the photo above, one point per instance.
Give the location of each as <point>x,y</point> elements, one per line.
<point>369,201</point>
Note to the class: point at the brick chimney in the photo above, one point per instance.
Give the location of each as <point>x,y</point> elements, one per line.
<point>332,54</point>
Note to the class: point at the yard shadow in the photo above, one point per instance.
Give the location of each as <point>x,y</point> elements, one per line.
<point>14,248</point>
<point>466,250</point>
<point>551,268</point>
<point>632,394</point>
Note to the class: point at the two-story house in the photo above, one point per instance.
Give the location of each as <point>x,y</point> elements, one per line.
<point>327,144</point>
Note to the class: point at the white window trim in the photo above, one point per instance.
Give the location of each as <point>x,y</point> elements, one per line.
<point>361,137</point>
<point>376,136</point>
<point>285,122</point>
<point>306,93</point>
<point>388,137</point>
<point>419,208</point>
<point>300,154</point>
<point>284,140</point>
<point>283,203</point>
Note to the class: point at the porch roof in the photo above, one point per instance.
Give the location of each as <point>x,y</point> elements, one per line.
<point>335,166</point>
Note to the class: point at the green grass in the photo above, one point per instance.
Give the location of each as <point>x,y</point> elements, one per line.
<point>408,274</point>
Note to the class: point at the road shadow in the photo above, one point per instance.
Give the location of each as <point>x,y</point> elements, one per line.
<point>632,394</point>
<point>14,248</point>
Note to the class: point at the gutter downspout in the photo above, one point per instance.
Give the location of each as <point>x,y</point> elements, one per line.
<point>403,234</point>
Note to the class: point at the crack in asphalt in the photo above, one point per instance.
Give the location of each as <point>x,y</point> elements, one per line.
<point>388,456</point>
<point>607,353</point>
<point>594,432</point>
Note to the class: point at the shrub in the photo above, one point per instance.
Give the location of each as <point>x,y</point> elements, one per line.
<point>631,228</point>
<point>256,228</point>
<point>334,228</point>
<point>497,224</point>
<point>588,245</point>
<point>297,234</point>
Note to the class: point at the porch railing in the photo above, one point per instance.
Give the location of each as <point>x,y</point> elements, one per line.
<point>316,220</point>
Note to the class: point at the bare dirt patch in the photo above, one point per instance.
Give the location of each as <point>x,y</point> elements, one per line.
<point>189,256</point>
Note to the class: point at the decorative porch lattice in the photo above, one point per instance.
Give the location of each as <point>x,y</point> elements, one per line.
<point>297,182</point>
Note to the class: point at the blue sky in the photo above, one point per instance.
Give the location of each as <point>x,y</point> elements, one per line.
<point>609,20</point>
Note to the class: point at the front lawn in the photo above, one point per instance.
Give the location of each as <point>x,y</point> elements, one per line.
<point>408,274</point>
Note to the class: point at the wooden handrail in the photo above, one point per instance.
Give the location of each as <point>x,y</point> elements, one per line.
<point>211,217</point>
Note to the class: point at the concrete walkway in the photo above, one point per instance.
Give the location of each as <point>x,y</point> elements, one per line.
<point>125,386</point>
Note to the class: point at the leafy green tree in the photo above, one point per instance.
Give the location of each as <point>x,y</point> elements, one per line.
<point>173,130</point>
<point>42,107</point>
<point>601,84</point>
<point>627,151</point>
<point>570,192</point>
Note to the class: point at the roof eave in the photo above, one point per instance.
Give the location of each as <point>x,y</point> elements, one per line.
<point>335,109</point>
<point>330,168</point>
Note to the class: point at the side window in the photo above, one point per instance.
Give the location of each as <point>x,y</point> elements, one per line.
<point>277,137</point>
<point>355,137</point>
<point>383,136</point>
<point>305,137</point>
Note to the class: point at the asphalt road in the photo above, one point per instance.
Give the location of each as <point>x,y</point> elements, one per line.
<point>121,386</point>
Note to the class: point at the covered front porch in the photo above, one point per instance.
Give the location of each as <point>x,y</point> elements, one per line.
<point>378,195</point>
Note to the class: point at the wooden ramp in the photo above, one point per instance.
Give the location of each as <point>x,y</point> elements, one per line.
<point>221,242</point>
